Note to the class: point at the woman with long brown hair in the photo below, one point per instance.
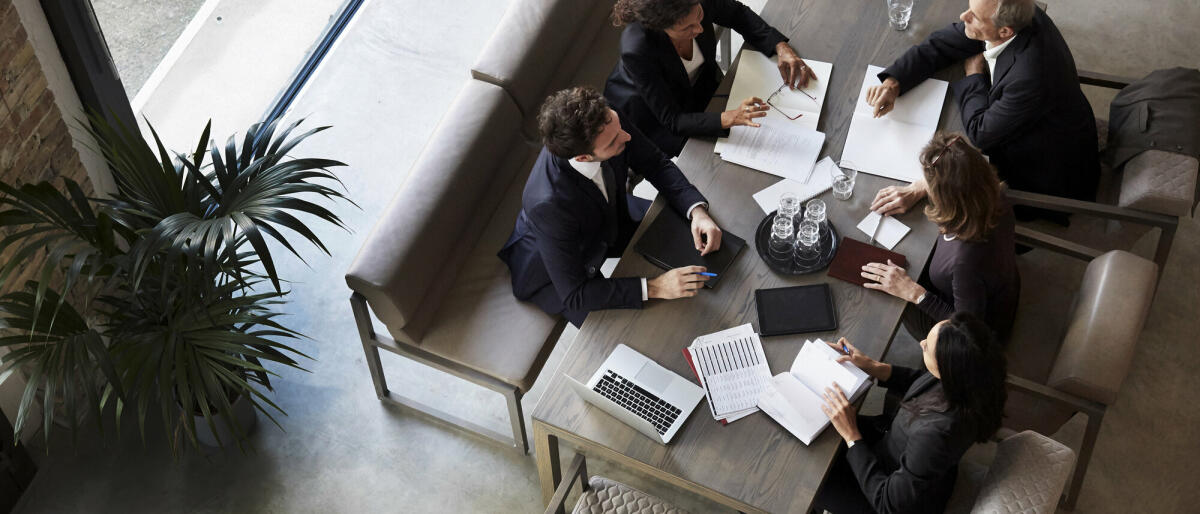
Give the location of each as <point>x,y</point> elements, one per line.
<point>973,267</point>
<point>668,71</point>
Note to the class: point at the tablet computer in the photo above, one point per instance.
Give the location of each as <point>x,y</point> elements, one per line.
<point>795,310</point>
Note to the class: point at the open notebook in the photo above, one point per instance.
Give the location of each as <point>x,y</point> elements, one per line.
<point>794,398</point>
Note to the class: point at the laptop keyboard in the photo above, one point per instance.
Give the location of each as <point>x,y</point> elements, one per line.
<point>637,400</point>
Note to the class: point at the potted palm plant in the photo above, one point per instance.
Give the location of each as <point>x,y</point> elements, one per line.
<point>161,299</point>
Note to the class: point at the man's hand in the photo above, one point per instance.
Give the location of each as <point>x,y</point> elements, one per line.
<point>883,97</point>
<point>705,232</point>
<point>891,279</point>
<point>975,64</point>
<point>893,200</point>
<point>751,108</point>
<point>792,68</point>
<point>677,283</point>
<point>841,413</point>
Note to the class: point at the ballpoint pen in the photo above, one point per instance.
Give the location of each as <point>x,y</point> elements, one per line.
<point>707,274</point>
<point>844,349</point>
<point>876,232</point>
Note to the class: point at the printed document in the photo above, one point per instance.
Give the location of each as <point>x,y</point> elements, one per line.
<point>732,369</point>
<point>757,75</point>
<point>777,147</point>
<point>889,146</point>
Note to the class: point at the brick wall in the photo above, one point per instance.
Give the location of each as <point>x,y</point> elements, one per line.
<point>35,143</point>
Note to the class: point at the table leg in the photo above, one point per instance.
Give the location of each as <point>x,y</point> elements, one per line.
<point>548,465</point>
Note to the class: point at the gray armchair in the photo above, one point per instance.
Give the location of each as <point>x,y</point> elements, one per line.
<point>1027,474</point>
<point>604,496</point>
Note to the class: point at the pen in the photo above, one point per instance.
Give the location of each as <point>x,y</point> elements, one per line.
<point>707,274</point>
<point>844,349</point>
<point>876,232</point>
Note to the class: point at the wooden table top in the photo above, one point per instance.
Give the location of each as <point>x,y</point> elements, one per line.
<point>754,464</point>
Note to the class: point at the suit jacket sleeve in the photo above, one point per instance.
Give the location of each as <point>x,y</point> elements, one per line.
<point>992,125</point>
<point>756,31</point>
<point>638,60</point>
<point>941,49</point>
<point>902,378</point>
<point>927,457</point>
<point>557,236</point>
<point>646,159</point>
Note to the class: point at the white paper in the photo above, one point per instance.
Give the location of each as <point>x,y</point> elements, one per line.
<point>890,146</point>
<point>759,76</point>
<point>889,234</point>
<point>817,367</point>
<point>733,370</point>
<point>778,148</point>
<point>819,181</point>
<point>794,399</point>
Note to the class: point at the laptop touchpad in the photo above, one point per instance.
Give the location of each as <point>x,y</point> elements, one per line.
<point>654,377</point>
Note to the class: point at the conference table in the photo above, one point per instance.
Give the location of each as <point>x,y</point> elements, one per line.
<point>752,464</point>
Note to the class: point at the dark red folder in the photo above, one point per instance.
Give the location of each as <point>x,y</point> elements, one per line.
<point>853,254</point>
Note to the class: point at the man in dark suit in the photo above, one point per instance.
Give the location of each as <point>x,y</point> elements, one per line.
<point>1020,101</point>
<point>576,212</point>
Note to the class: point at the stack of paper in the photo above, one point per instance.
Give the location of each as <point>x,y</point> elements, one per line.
<point>794,398</point>
<point>732,369</point>
<point>758,76</point>
<point>777,147</point>
<point>819,181</point>
<point>888,231</point>
<point>890,146</point>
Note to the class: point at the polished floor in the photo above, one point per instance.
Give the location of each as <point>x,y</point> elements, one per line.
<point>384,89</point>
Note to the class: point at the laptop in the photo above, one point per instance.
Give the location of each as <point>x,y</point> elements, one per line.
<point>668,244</point>
<point>642,394</point>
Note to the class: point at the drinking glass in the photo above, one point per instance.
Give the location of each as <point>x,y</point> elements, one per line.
<point>843,181</point>
<point>789,206</point>
<point>899,11</point>
<point>806,250</point>
<point>779,248</point>
<point>814,211</point>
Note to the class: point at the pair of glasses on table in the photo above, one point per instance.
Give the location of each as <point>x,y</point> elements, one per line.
<point>773,98</point>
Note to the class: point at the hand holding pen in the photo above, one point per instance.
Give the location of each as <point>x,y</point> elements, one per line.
<point>878,370</point>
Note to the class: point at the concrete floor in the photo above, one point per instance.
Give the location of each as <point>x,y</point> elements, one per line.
<point>140,32</point>
<point>384,88</point>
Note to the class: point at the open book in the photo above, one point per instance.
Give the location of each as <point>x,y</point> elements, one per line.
<point>794,398</point>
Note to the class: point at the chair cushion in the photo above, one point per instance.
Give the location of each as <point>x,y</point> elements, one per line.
<point>612,497</point>
<point>441,207</point>
<point>1159,181</point>
<point>1027,476</point>
<point>1104,326</point>
<point>542,46</point>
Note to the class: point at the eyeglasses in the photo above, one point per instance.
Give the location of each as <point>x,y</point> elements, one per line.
<point>942,152</point>
<point>783,112</point>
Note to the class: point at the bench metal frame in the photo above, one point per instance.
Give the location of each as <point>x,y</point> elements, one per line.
<point>372,342</point>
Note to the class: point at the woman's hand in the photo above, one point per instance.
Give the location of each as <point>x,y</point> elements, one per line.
<point>792,68</point>
<point>893,200</point>
<point>841,413</point>
<point>876,369</point>
<point>753,107</point>
<point>891,279</point>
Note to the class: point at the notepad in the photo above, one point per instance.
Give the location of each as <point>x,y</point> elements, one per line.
<point>668,244</point>
<point>890,146</point>
<point>819,181</point>
<point>758,76</point>
<point>852,255</point>
<point>732,369</point>
<point>794,398</point>
<point>890,230</point>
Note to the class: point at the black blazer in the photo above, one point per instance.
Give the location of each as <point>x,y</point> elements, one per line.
<point>566,229</point>
<point>650,87</point>
<point>912,466</point>
<point>1034,123</point>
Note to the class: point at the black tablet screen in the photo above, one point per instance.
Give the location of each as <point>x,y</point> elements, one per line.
<point>793,310</point>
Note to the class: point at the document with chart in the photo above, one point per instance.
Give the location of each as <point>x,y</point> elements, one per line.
<point>794,398</point>
<point>757,75</point>
<point>732,369</point>
<point>890,146</point>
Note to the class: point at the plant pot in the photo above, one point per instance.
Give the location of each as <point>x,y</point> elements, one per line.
<point>242,411</point>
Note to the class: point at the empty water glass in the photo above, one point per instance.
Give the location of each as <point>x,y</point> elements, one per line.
<point>806,251</point>
<point>779,248</point>
<point>789,206</point>
<point>814,211</point>
<point>899,11</point>
<point>843,180</point>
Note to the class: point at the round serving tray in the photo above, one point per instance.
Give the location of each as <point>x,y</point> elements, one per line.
<point>829,244</point>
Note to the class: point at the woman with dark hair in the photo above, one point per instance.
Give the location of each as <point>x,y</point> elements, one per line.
<point>973,267</point>
<point>908,462</point>
<point>668,72</point>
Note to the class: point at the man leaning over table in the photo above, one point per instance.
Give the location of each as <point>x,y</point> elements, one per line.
<point>1020,101</point>
<point>575,212</point>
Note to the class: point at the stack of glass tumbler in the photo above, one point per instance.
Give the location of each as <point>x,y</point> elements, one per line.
<point>798,240</point>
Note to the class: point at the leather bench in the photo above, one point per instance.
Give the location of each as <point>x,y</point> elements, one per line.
<point>429,272</point>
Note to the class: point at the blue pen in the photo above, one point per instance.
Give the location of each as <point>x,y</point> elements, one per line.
<point>707,274</point>
<point>844,349</point>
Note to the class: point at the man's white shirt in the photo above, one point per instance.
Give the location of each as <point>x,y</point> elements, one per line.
<point>992,53</point>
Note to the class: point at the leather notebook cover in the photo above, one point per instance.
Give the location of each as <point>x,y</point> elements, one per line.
<point>667,243</point>
<point>853,254</point>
